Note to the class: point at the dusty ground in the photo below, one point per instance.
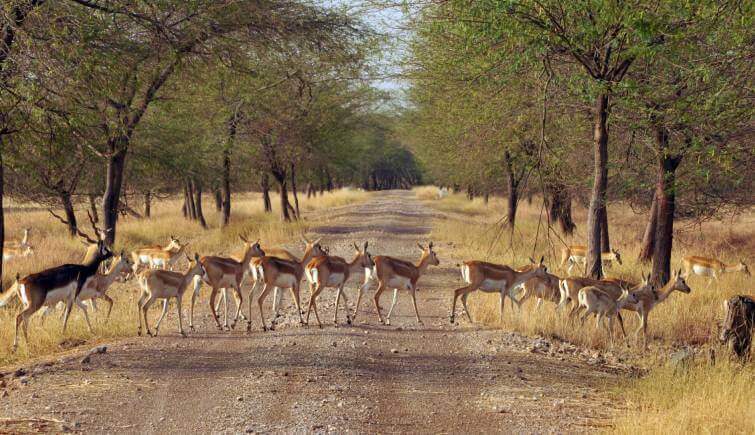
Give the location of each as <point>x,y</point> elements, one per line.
<point>363,378</point>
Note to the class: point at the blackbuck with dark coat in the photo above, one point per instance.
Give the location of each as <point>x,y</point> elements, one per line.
<point>492,278</point>
<point>97,287</point>
<point>58,283</point>
<point>331,271</point>
<point>396,274</point>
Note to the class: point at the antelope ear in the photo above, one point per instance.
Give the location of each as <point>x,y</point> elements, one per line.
<point>306,240</point>
<point>196,256</point>
<point>422,248</point>
<point>355,246</point>
<point>542,258</point>
<point>430,246</point>
<point>726,305</point>
<point>243,239</point>
<point>121,254</point>
<point>317,241</point>
<point>365,246</point>
<point>532,260</point>
<point>679,272</point>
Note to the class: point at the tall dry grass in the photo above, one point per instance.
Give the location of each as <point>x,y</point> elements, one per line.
<point>53,247</point>
<point>661,402</point>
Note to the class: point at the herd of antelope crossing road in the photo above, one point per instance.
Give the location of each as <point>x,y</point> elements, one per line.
<point>365,377</point>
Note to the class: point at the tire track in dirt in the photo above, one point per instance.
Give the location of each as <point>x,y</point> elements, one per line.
<point>362,378</point>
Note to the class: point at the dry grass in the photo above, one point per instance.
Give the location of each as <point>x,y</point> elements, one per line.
<point>54,247</point>
<point>704,399</point>
<point>684,319</point>
<point>426,192</point>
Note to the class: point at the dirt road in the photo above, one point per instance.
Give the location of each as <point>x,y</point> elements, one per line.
<point>363,378</point>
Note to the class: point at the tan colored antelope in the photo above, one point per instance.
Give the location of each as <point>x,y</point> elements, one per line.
<point>331,271</point>
<point>711,267</point>
<point>165,284</point>
<point>255,272</point>
<point>223,272</point>
<point>544,288</point>
<point>17,251</point>
<point>19,244</point>
<point>97,287</point>
<point>492,278</point>
<point>57,283</point>
<point>577,254</point>
<point>13,248</point>
<point>604,305</point>
<point>650,298</point>
<point>399,274</point>
<point>154,257</point>
<point>278,273</point>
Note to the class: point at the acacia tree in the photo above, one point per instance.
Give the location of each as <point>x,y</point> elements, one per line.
<point>695,115</point>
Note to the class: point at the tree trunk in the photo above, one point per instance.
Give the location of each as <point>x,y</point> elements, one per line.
<point>191,209</point>
<point>65,201</point>
<point>605,245</point>
<point>595,219</point>
<point>512,202</point>
<point>666,197</point>
<point>2,209</point>
<point>328,181</point>
<point>648,239</point>
<point>293,189</point>
<point>113,183</point>
<point>280,177</point>
<point>486,197</point>
<point>218,196</point>
<point>93,207</point>
<point>198,203</point>
<point>226,188</point>
<point>265,185</point>
<point>512,185</point>
<point>148,204</point>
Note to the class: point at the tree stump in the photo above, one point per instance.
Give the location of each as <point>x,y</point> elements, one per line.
<point>739,320</point>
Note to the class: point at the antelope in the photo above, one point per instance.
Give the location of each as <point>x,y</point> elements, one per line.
<point>57,283</point>
<point>649,298</point>
<point>255,272</point>
<point>399,274</point>
<point>331,271</point>
<point>577,254</point>
<point>24,240</point>
<point>157,256</point>
<point>165,284</point>
<point>222,272</point>
<point>97,287</point>
<point>17,251</point>
<point>13,248</point>
<point>604,305</point>
<point>492,278</point>
<point>543,288</point>
<point>711,267</point>
<point>280,273</point>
